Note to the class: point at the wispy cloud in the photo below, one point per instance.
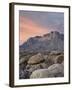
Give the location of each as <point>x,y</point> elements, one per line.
<point>29,28</point>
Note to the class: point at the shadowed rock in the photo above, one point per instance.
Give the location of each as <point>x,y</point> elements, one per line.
<point>34,67</point>
<point>59,59</point>
<point>55,53</point>
<point>49,60</point>
<point>24,59</point>
<point>23,74</point>
<point>62,63</point>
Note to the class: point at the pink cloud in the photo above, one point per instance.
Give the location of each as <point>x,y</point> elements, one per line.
<point>29,28</point>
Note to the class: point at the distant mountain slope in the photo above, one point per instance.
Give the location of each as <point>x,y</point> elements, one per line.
<point>48,42</point>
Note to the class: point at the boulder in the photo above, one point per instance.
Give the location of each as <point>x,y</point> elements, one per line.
<point>45,57</point>
<point>34,67</point>
<point>53,59</point>
<point>38,58</point>
<point>59,59</point>
<point>24,59</point>
<point>49,60</point>
<point>55,53</point>
<point>44,65</point>
<point>40,73</point>
<point>55,70</point>
<point>22,66</point>
<point>62,63</point>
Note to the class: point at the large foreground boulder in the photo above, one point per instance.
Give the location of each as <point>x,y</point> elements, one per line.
<point>55,70</point>
<point>40,73</point>
<point>36,59</point>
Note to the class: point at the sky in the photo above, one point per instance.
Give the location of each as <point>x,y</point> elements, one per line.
<point>36,23</point>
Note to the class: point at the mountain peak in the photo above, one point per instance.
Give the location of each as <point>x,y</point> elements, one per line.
<point>51,33</point>
<point>54,32</point>
<point>48,42</point>
<point>38,36</point>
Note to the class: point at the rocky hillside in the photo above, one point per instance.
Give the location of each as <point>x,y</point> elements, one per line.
<point>41,65</point>
<point>53,41</point>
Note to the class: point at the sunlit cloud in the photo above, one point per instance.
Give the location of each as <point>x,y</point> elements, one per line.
<point>29,28</point>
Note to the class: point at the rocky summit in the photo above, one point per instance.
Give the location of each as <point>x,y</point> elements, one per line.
<point>53,41</point>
